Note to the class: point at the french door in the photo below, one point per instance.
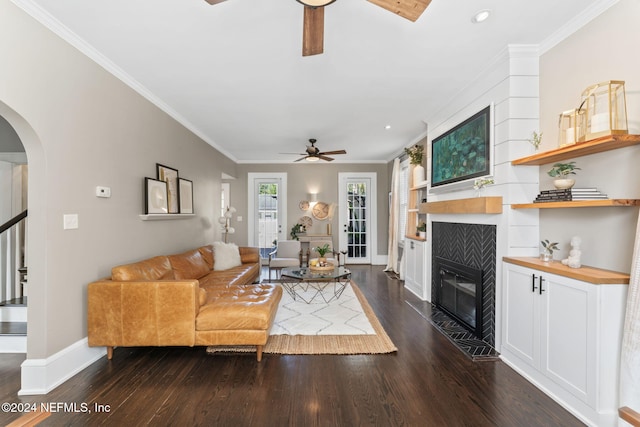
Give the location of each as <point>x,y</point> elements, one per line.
<point>357,216</point>
<point>267,212</point>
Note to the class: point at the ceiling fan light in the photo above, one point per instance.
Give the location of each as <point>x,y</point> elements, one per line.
<point>312,159</point>
<point>316,3</point>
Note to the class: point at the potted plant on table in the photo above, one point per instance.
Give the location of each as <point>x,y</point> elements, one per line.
<point>322,251</point>
<point>560,171</point>
<point>421,230</point>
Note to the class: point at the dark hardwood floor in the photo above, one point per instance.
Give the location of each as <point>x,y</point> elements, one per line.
<point>428,382</point>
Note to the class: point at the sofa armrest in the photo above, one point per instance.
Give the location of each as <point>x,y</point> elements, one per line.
<point>249,255</point>
<point>142,313</point>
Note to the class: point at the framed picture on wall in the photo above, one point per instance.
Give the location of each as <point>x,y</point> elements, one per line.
<point>464,152</point>
<point>185,190</point>
<point>170,176</point>
<point>155,196</point>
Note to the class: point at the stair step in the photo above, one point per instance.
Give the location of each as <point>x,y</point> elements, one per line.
<point>16,302</point>
<point>13,313</point>
<point>13,343</point>
<point>13,328</point>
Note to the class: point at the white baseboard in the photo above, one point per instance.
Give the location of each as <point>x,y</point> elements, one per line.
<point>40,376</point>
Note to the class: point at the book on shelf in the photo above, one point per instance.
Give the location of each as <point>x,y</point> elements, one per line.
<point>567,195</point>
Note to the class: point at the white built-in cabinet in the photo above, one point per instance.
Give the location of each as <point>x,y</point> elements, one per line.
<point>415,278</point>
<point>564,335</point>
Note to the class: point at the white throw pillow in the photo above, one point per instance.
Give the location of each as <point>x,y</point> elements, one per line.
<point>226,256</point>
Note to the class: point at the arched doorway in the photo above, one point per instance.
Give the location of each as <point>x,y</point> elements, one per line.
<point>13,232</point>
<point>36,238</point>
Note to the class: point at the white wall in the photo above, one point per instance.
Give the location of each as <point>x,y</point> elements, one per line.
<point>605,49</point>
<point>82,127</point>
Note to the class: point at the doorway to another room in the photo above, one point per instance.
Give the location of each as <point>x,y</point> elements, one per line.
<point>267,210</point>
<point>358,222</point>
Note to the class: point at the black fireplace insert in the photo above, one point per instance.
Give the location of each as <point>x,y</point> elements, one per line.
<point>459,293</point>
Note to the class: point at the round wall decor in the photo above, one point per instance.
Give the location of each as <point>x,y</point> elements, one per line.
<point>306,221</point>
<point>320,211</point>
<point>303,205</point>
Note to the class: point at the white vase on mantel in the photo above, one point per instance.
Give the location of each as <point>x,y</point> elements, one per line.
<point>418,175</point>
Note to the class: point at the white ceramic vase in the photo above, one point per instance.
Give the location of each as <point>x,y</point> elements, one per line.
<point>418,174</point>
<point>563,183</point>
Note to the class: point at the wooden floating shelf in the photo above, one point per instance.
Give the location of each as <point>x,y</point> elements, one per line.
<point>585,273</point>
<point>579,204</point>
<point>475,205</point>
<point>598,145</point>
<point>418,238</point>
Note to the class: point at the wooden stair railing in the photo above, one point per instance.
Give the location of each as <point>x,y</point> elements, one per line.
<point>13,221</point>
<point>629,415</point>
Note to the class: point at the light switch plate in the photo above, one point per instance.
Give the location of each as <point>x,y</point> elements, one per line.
<point>239,218</point>
<point>70,221</point>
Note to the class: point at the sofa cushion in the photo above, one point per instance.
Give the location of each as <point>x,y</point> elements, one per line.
<point>156,268</point>
<point>188,265</point>
<point>207,255</point>
<point>240,275</point>
<point>227,255</point>
<point>239,308</point>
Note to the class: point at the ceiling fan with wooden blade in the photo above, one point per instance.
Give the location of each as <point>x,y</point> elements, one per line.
<point>313,19</point>
<point>313,153</point>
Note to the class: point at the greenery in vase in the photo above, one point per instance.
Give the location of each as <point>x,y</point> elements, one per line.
<point>482,182</point>
<point>562,170</point>
<point>421,226</point>
<point>322,250</point>
<point>536,139</point>
<point>549,246</point>
<point>415,154</point>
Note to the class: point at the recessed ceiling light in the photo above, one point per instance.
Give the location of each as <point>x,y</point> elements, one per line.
<point>387,127</point>
<point>481,16</point>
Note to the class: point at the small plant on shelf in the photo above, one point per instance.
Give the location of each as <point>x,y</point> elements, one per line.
<point>295,230</point>
<point>421,229</point>
<point>547,250</point>
<point>561,172</point>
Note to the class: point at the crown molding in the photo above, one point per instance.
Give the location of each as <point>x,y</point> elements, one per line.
<point>576,23</point>
<point>49,21</point>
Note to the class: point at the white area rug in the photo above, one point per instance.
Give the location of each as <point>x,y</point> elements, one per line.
<point>342,316</point>
<point>358,341</point>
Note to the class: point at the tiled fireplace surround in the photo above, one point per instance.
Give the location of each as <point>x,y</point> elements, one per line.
<point>473,245</point>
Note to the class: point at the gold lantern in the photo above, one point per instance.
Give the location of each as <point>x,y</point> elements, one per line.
<point>572,124</point>
<point>606,109</point>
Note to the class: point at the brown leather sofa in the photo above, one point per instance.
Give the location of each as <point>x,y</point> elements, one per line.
<point>181,300</point>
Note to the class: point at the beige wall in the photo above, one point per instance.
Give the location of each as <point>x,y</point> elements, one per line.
<point>82,127</point>
<point>602,50</point>
<point>301,178</point>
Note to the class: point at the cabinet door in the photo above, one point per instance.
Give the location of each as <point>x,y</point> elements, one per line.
<point>415,267</point>
<point>521,327</point>
<point>568,334</point>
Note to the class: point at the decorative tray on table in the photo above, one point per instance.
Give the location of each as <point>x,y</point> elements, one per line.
<point>322,268</point>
